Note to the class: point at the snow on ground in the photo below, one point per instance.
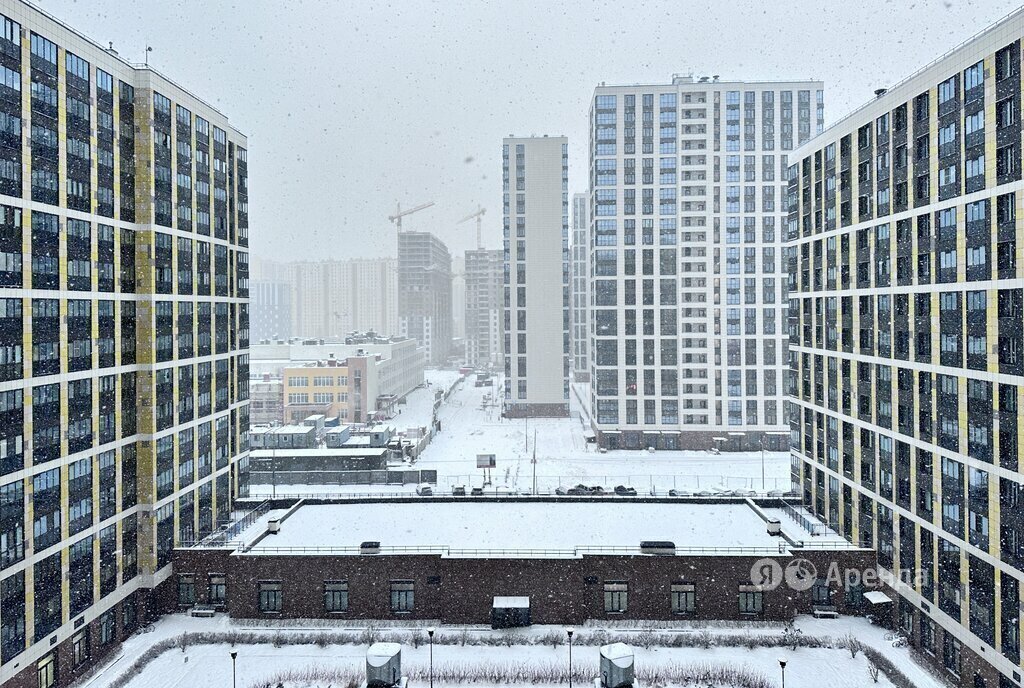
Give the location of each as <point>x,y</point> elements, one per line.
<point>468,427</point>
<point>524,526</point>
<point>210,665</point>
<point>418,407</point>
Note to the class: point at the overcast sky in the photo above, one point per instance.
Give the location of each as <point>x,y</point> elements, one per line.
<point>350,107</point>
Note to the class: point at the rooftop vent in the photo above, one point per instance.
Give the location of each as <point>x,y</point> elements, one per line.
<point>616,666</point>
<point>879,92</point>
<point>383,665</point>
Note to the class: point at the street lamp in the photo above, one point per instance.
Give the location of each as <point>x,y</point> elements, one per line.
<point>569,631</point>
<point>430,636</point>
<point>782,663</point>
<point>233,682</point>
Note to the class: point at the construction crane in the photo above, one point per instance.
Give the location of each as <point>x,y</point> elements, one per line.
<point>478,214</point>
<point>399,213</point>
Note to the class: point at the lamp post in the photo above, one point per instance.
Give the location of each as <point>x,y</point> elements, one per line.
<point>782,664</point>
<point>569,631</point>
<point>430,636</point>
<point>234,684</point>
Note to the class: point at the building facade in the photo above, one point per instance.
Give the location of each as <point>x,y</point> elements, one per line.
<point>124,325</point>
<point>326,298</point>
<point>425,293</point>
<point>354,381</point>
<point>688,291</point>
<point>484,308</point>
<point>580,280</point>
<point>536,267</point>
<point>905,248</point>
<point>271,305</point>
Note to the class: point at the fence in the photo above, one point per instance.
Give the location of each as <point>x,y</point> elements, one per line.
<point>371,477</point>
<point>812,527</point>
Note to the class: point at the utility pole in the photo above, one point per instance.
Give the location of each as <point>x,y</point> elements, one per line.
<point>534,461</point>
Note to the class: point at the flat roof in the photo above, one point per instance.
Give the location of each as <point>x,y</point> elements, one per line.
<point>325,452</point>
<point>524,528</point>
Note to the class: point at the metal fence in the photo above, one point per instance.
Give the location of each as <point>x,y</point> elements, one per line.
<point>371,477</point>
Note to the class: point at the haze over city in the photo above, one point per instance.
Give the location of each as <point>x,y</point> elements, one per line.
<point>358,105</point>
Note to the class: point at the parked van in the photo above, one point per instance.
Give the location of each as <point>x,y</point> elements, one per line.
<point>424,490</point>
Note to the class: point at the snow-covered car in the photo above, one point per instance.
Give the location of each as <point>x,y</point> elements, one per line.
<point>702,493</point>
<point>424,490</point>
<point>775,493</point>
<point>459,491</point>
<point>625,491</point>
<point>561,491</point>
<point>678,493</point>
<point>476,491</point>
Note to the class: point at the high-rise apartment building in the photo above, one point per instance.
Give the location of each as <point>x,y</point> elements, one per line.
<point>906,252</point>
<point>687,291</point>
<point>123,339</point>
<point>536,275</point>
<point>326,298</point>
<point>580,279</point>
<point>271,305</point>
<point>425,293</point>
<point>484,309</point>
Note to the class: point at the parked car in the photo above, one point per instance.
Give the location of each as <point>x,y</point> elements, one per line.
<point>597,490</point>
<point>678,493</point>
<point>424,490</point>
<point>561,491</point>
<point>477,492</point>
<point>580,489</point>
<point>459,491</point>
<point>625,491</point>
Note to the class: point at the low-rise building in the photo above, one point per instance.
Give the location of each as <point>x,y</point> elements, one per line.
<point>266,400</point>
<point>446,560</point>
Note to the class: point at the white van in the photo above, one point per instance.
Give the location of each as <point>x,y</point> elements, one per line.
<point>424,490</point>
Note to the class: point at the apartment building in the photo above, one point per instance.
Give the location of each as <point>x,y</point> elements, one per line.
<point>687,290</point>
<point>325,298</point>
<point>906,351</point>
<point>123,335</point>
<point>536,275</point>
<point>425,293</point>
<point>580,279</point>
<point>484,308</point>
<point>351,381</point>
<point>271,305</point>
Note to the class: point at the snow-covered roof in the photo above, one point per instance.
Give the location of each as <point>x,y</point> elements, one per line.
<point>523,528</point>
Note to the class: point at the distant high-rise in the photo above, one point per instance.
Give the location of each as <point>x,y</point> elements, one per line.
<point>329,298</point>
<point>124,336</point>
<point>536,276</point>
<point>271,310</point>
<point>425,293</point>
<point>459,297</point>
<point>688,293</point>
<point>580,279</point>
<point>484,307</point>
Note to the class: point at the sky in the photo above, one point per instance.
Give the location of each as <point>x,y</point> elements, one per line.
<point>351,107</point>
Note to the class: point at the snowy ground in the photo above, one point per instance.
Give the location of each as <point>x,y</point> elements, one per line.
<point>564,458</point>
<point>256,664</point>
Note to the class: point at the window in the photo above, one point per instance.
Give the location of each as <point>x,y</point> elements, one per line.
<point>684,598</point>
<point>46,668</point>
<point>615,596</point>
<point>336,596</point>
<point>216,589</point>
<point>403,596</point>
<point>270,597</point>
<point>186,589</point>
<point>751,601</point>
